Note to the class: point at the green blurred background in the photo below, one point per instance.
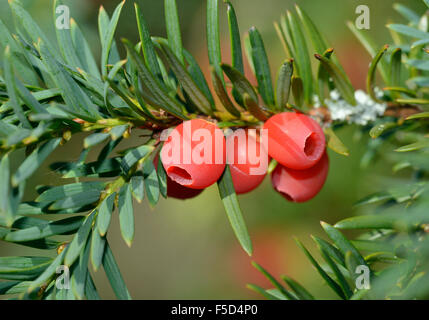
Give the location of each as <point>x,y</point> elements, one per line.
<point>186,250</point>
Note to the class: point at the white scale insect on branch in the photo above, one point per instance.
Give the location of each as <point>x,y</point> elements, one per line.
<point>366,110</point>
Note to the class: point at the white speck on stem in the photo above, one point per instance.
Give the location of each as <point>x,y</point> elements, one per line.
<point>366,110</point>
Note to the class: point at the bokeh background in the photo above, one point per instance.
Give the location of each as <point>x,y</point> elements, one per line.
<point>187,250</point>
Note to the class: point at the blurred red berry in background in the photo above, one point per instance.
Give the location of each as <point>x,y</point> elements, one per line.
<point>273,249</point>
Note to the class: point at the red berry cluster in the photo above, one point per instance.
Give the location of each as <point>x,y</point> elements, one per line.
<point>296,141</point>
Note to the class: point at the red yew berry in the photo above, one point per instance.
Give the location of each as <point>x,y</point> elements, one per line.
<point>295,140</point>
<point>300,185</point>
<point>175,190</point>
<point>194,154</point>
<point>247,159</point>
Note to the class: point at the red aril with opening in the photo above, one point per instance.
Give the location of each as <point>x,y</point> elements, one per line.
<point>194,154</point>
<point>175,190</point>
<point>295,140</point>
